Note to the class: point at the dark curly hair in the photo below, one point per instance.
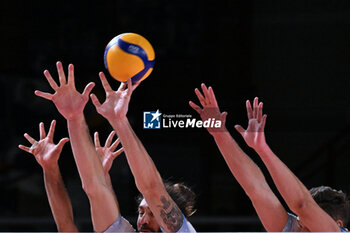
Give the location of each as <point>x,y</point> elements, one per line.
<point>182,195</point>
<point>334,202</point>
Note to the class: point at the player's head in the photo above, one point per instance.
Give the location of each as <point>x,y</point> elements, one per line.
<point>182,195</point>
<point>146,221</point>
<point>334,202</point>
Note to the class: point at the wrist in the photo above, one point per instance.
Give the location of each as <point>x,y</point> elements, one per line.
<point>261,148</point>
<point>76,118</point>
<point>112,118</point>
<point>220,134</point>
<point>119,122</point>
<point>51,168</point>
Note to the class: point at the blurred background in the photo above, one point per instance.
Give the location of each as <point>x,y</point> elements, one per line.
<point>293,54</point>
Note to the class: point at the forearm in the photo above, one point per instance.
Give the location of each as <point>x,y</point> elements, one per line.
<point>102,200</point>
<point>246,172</point>
<point>145,172</point>
<point>86,158</point>
<point>292,190</point>
<point>110,187</point>
<point>269,209</point>
<point>60,204</point>
<point>296,195</point>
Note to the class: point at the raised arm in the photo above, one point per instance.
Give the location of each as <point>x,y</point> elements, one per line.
<point>70,103</point>
<point>47,154</point>
<point>147,178</point>
<point>107,154</point>
<point>296,195</point>
<point>269,209</point>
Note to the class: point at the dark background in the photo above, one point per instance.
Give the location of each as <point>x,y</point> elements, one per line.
<point>293,54</point>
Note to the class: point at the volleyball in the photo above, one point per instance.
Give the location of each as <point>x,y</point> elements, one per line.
<point>129,55</point>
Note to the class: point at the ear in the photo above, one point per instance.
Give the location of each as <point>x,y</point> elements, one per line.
<point>340,223</point>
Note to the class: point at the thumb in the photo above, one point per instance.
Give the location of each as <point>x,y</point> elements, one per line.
<point>87,90</point>
<point>118,152</point>
<point>262,127</point>
<point>223,116</point>
<point>95,101</point>
<point>240,129</point>
<point>62,142</point>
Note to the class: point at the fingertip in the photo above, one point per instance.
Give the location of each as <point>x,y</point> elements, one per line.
<point>239,129</point>
<point>37,93</point>
<point>89,87</point>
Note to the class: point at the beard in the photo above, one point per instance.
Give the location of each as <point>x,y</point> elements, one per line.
<point>146,228</point>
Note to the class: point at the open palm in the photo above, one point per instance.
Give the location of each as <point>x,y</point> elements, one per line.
<point>68,101</point>
<point>117,102</point>
<point>254,135</point>
<point>45,151</point>
<point>107,153</point>
<point>210,108</point>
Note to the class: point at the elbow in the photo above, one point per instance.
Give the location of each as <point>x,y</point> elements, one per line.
<point>93,188</point>
<point>67,227</point>
<point>300,206</point>
<point>148,182</point>
<point>258,192</point>
<point>149,187</point>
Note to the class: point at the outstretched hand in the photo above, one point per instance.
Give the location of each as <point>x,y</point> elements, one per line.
<point>117,102</point>
<point>254,135</point>
<point>107,153</point>
<point>69,102</point>
<point>45,151</point>
<point>210,108</point>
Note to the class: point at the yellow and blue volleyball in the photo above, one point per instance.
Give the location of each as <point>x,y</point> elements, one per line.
<point>129,55</point>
